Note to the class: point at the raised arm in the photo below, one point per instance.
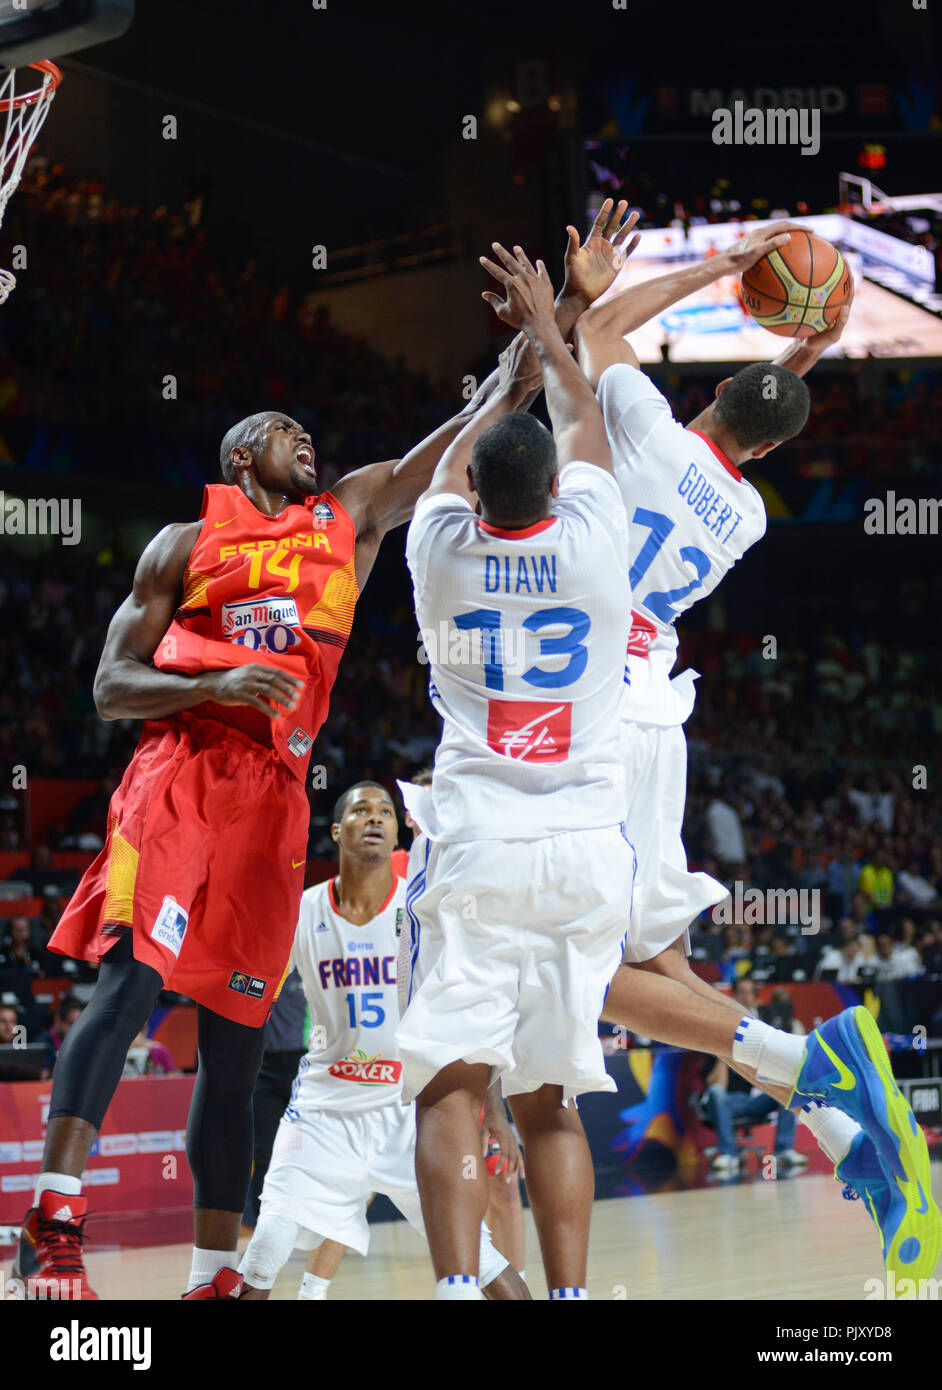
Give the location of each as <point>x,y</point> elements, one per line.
<point>129,686</point>
<point>600,331</point>
<point>517,371</point>
<point>383,495</point>
<point>574,413</point>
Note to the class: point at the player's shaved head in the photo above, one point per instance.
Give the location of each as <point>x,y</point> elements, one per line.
<point>344,800</point>
<point>763,404</point>
<point>513,464</point>
<point>244,435</point>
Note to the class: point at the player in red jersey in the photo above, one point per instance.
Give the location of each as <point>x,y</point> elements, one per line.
<point>227,648</point>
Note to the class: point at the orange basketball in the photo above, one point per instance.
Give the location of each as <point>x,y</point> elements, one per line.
<point>800,288</point>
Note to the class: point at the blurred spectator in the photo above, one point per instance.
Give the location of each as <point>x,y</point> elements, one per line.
<point>724,835</point>
<point>66,1012</point>
<point>9,1021</point>
<point>873,806</point>
<point>898,960</point>
<point>931,949</point>
<point>147,1057</point>
<point>15,953</point>
<point>913,887</point>
<point>729,1098</point>
<point>876,880</point>
<point>45,877</point>
<point>841,963</point>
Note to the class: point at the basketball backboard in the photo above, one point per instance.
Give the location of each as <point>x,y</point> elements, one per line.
<point>31,30</point>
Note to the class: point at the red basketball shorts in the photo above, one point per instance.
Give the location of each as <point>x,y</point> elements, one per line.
<point>203,863</point>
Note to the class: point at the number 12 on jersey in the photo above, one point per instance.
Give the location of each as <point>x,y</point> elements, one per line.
<point>661,603</point>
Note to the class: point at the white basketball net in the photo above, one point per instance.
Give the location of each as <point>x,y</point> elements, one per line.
<point>19,127</point>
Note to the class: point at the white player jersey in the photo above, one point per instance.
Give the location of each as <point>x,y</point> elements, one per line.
<point>525,632</point>
<point>349,977</point>
<point>691,516</point>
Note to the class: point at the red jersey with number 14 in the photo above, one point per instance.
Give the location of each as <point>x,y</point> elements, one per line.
<point>277,590</point>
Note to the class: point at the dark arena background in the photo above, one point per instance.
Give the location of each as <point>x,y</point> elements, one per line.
<point>235,207</point>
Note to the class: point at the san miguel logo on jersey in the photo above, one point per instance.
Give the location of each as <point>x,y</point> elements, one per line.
<point>529,730</point>
<point>367,1071</point>
<point>263,625</point>
<point>642,634</point>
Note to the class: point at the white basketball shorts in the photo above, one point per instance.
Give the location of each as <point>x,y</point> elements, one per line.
<point>667,896</point>
<point>326,1164</point>
<point>516,943</point>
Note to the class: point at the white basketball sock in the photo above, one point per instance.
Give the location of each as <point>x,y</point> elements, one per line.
<point>774,1056</point>
<point>561,1295</point>
<point>313,1287</point>
<point>57,1182</point>
<point>207,1264</point>
<point>458,1288</point>
<point>834,1131</point>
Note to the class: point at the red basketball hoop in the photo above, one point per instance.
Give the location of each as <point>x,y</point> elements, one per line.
<point>21,116</point>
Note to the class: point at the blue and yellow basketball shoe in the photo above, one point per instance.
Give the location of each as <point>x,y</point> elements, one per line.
<point>846,1065</point>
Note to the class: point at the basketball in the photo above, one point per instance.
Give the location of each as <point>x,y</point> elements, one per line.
<point>798,289</point>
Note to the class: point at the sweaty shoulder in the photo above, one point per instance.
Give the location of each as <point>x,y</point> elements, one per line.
<point>623,388</point>
<point>165,557</point>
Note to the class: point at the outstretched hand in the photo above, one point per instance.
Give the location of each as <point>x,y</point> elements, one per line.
<point>528,290</point>
<point>591,268</point>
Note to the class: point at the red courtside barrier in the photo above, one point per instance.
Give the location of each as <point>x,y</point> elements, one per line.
<point>138,1165</point>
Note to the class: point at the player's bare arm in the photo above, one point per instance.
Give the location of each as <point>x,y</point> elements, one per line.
<point>383,495</point>
<point>129,686</point>
<point>599,333</point>
<point>577,422</point>
<point>518,380</point>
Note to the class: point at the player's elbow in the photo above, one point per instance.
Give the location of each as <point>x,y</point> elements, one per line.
<point>104,693</point>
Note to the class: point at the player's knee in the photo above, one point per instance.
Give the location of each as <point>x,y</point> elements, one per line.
<point>491,1262</point>
<point>267,1251</point>
<point>502,1194</point>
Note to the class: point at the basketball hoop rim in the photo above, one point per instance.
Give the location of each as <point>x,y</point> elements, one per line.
<point>43,93</point>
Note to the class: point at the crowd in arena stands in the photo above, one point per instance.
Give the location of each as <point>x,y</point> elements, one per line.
<point>233,333</point>
<point>803,775</point>
<point>197,304</point>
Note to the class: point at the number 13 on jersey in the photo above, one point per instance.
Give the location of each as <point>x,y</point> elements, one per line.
<point>569,643</point>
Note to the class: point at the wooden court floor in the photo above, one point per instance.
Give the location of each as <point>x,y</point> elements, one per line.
<point>795,1240</point>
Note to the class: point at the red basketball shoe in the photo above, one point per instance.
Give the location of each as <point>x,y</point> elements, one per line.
<point>48,1260</point>
<point>227,1284</point>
